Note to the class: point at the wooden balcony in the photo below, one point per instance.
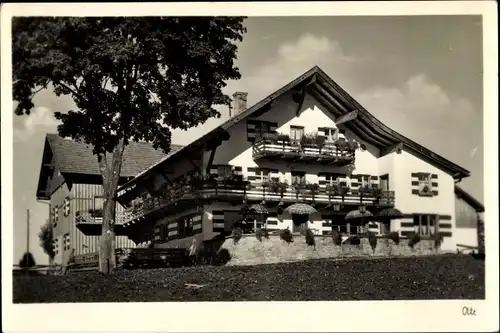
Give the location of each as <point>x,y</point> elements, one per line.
<point>189,195</point>
<point>294,152</point>
<point>92,225</point>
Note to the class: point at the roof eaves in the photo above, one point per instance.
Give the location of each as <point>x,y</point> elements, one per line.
<point>230,122</point>
<point>461,172</point>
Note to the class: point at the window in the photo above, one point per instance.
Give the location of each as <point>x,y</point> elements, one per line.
<point>261,128</point>
<point>364,180</point>
<point>185,227</point>
<point>224,171</point>
<point>56,215</point>
<point>331,134</point>
<point>296,132</point>
<point>66,243</point>
<point>98,202</point>
<point>334,178</point>
<point>424,184</point>
<point>345,228</point>
<point>56,246</point>
<point>262,175</point>
<point>384,182</point>
<point>66,206</point>
<point>163,232</point>
<point>298,177</point>
<point>425,225</point>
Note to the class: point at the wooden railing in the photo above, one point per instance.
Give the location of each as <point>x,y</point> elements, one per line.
<point>282,149</point>
<point>251,191</point>
<point>85,217</point>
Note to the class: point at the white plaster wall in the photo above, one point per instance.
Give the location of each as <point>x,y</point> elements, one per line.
<point>466,236</point>
<point>442,204</point>
<point>238,151</point>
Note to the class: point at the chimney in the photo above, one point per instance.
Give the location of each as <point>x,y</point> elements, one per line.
<point>239,103</point>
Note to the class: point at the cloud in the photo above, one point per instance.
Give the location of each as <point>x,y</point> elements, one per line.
<point>418,102</point>
<point>293,59</point>
<point>41,119</point>
<point>289,61</point>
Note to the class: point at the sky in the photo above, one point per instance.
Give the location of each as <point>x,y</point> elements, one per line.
<point>420,75</point>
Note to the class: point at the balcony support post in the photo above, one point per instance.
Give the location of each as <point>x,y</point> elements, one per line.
<point>210,160</point>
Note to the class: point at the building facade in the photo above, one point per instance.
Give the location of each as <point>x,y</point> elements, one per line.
<point>70,181</point>
<point>469,220</point>
<point>310,143</point>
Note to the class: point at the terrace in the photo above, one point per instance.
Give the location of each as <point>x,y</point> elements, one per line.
<point>311,148</point>
<point>193,191</point>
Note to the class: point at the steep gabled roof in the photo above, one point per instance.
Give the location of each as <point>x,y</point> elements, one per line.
<point>77,157</point>
<point>473,202</point>
<point>74,157</point>
<point>339,103</point>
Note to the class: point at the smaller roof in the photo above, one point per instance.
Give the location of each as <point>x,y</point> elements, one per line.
<point>461,193</point>
<point>76,157</point>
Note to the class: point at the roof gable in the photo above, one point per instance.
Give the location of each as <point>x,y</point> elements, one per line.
<point>73,157</point>
<point>337,101</point>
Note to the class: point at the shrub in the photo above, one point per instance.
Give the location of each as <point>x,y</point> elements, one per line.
<point>283,137</point>
<point>237,234</point>
<point>353,240</point>
<point>27,261</point>
<point>262,233</point>
<point>310,238</point>
<point>222,257</point>
<point>337,239</point>
<point>413,239</point>
<point>286,235</point>
<point>394,236</point>
<point>372,239</point>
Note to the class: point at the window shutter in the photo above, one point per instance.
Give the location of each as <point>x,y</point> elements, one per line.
<point>56,215</point>
<point>66,206</point>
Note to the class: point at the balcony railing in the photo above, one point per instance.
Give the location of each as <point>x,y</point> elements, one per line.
<point>86,217</point>
<point>254,191</point>
<point>327,153</point>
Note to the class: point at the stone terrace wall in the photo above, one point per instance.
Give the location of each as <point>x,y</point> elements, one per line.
<point>249,251</point>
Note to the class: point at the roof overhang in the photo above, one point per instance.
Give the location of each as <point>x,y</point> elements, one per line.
<point>354,116</point>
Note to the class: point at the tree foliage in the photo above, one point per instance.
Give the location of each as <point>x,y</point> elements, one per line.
<point>46,238</point>
<point>131,78</point>
<point>27,261</point>
<point>126,74</point>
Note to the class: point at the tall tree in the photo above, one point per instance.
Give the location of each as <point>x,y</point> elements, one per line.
<point>132,78</point>
<point>46,238</point>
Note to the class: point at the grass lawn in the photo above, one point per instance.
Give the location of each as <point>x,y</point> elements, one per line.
<point>434,277</point>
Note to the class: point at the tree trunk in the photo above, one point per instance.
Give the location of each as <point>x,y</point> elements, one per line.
<point>110,179</point>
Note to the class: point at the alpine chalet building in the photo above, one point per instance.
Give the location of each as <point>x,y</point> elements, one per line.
<point>309,144</point>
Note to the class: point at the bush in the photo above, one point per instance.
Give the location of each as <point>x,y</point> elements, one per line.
<point>413,239</point>
<point>27,261</point>
<point>237,234</point>
<point>353,240</point>
<point>394,236</point>
<point>310,238</point>
<point>222,257</point>
<point>262,233</point>
<point>372,239</point>
<point>337,239</point>
<point>286,235</point>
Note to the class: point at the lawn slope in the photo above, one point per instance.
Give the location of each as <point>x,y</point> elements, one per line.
<point>433,277</point>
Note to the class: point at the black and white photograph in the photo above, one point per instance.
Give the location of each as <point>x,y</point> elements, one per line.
<point>197,154</point>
